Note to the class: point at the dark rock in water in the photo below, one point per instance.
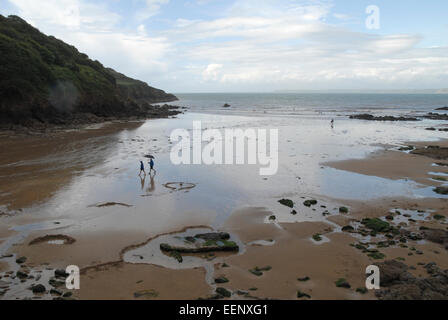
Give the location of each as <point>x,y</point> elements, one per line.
<point>287,202</point>
<point>226,105</point>
<point>21,260</point>
<point>441,190</point>
<point>294,212</point>
<point>431,129</point>
<point>435,116</point>
<point>221,280</point>
<point>68,294</point>
<point>60,273</point>
<point>56,283</point>
<point>224,292</point>
<point>309,203</point>
<point>442,109</point>
<point>342,283</point>
<point>176,255</point>
<point>272,218</point>
<point>56,292</point>
<point>39,288</point>
<point>21,274</point>
<point>407,148</point>
<point>213,236</point>
<point>348,229</point>
<point>208,246</point>
<point>398,284</point>
<point>370,117</point>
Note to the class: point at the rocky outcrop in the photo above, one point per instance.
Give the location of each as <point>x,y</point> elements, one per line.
<point>399,284</point>
<point>434,152</point>
<point>370,117</point>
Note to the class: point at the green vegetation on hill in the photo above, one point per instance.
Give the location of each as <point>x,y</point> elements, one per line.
<point>44,80</point>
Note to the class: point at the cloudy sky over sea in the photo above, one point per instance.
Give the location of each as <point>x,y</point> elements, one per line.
<point>254,45</point>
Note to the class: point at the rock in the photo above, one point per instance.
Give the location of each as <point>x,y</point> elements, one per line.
<point>66,239</point>
<point>60,273</point>
<point>21,260</point>
<point>435,116</point>
<point>376,224</point>
<point>436,235</point>
<point>21,274</point>
<point>398,284</point>
<point>343,210</point>
<point>342,283</point>
<point>272,218</point>
<point>304,279</point>
<point>226,105</point>
<point>441,190</point>
<point>213,236</point>
<point>176,255</point>
<point>348,229</point>
<point>434,152</point>
<point>259,271</point>
<point>317,237</point>
<point>393,271</point>
<point>55,292</point>
<point>294,212</point>
<point>309,203</point>
<point>146,294</point>
<point>442,109</point>
<point>370,117</point>
<point>287,202</point>
<point>68,294</point>
<point>301,295</point>
<point>208,246</point>
<point>376,255</point>
<point>221,280</point>
<point>224,292</point>
<point>362,290</point>
<point>39,288</point>
<point>56,283</point>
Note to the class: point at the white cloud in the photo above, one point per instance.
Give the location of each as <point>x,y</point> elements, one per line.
<point>152,8</point>
<point>212,72</point>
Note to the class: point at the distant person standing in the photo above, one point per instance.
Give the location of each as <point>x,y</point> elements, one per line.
<point>332,123</point>
<point>142,168</point>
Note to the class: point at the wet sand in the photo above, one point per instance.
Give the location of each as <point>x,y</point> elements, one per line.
<point>60,185</point>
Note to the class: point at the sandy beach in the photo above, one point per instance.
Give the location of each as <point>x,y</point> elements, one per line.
<point>83,186</point>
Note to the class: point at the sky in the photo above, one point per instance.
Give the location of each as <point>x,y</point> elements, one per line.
<point>255,45</point>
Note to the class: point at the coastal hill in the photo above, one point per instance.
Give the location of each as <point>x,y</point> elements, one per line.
<point>44,81</point>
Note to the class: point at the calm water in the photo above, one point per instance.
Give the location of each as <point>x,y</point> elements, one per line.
<point>314,103</point>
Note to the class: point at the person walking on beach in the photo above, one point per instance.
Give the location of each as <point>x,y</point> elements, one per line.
<point>142,168</point>
<point>332,123</point>
<point>151,164</point>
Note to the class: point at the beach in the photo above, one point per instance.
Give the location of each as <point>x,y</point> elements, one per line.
<point>74,197</point>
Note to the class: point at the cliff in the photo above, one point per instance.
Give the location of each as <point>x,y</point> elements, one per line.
<point>45,81</point>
